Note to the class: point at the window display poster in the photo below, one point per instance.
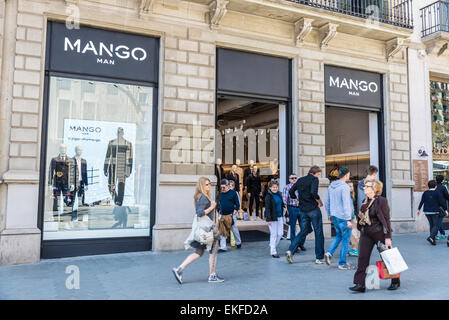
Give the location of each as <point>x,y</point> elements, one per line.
<point>108,173</point>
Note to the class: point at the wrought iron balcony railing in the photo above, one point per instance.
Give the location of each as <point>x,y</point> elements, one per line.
<point>394,12</point>
<point>435,17</point>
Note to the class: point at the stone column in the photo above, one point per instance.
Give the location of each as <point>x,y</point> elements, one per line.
<point>188,123</point>
<point>21,93</point>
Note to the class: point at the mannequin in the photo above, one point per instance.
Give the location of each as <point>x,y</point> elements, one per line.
<point>118,165</point>
<point>80,174</point>
<point>219,172</point>
<point>60,178</point>
<point>233,175</point>
<point>254,188</point>
<point>239,171</point>
<point>247,172</point>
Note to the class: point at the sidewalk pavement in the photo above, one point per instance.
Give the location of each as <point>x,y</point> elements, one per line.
<point>250,273</point>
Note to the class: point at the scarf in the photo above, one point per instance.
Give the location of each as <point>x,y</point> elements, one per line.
<point>364,211</point>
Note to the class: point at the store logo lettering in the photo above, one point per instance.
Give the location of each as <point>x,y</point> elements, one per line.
<point>85,130</point>
<point>121,51</point>
<point>354,86</point>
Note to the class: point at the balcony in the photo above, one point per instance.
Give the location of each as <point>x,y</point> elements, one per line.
<point>435,27</point>
<point>394,12</point>
<point>435,18</point>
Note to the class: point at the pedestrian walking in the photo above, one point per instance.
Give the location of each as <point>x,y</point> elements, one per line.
<point>293,213</point>
<point>274,213</point>
<point>374,224</point>
<point>444,192</point>
<point>309,204</point>
<point>355,234</point>
<point>433,202</point>
<point>203,206</point>
<point>372,174</point>
<point>339,207</point>
<point>229,205</point>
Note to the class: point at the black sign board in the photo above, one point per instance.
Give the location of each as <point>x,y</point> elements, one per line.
<point>97,52</point>
<point>253,74</point>
<point>345,86</point>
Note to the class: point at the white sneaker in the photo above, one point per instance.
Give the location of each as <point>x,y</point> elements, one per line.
<point>328,258</point>
<point>345,267</point>
<point>215,278</point>
<point>318,261</point>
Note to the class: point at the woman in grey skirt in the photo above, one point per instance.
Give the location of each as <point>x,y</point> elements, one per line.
<point>203,206</point>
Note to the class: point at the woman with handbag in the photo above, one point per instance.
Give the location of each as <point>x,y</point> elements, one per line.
<point>205,216</point>
<point>434,208</point>
<point>373,221</point>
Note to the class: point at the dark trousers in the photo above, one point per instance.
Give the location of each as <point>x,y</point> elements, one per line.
<point>315,218</point>
<point>254,197</point>
<point>441,228</point>
<point>434,221</point>
<point>368,240</point>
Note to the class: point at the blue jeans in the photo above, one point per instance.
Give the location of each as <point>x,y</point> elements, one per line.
<point>441,229</point>
<point>316,219</point>
<point>293,216</point>
<point>343,236</point>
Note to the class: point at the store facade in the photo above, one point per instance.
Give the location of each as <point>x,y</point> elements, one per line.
<point>110,125</point>
<point>429,74</point>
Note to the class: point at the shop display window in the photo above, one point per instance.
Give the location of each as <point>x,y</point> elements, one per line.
<point>439,100</point>
<point>98,160</point>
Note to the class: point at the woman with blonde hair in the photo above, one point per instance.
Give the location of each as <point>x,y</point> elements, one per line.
<point>374,224</point>
<point>203,206</point>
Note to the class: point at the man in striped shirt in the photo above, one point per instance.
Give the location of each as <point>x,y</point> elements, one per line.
<point>294,214</point>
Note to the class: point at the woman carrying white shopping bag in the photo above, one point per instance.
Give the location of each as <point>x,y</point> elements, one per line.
<point>373,221</point>
<point>202,238</point>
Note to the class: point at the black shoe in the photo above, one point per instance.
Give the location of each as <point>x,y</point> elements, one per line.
<point>358,288</point>
<point>302,248</point>
<point>239,246</point>
<point>275,255</point>
<point>394,286</point>
<point>448,243</point>
<point>432,241</point>
<point>221,250</point>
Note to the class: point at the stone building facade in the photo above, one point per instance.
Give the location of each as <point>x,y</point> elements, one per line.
<point>189,34</point>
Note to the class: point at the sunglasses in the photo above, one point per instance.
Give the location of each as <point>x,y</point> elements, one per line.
<point>293,178</point>
<point>274,180</point>
<point>207,183</point>
<point>368,186</point>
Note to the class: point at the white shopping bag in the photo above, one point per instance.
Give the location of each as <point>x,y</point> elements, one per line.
<point>393,261</point>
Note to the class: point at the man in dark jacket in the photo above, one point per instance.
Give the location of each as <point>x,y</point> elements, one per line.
<point>309,202</point>
<point>443,190</point>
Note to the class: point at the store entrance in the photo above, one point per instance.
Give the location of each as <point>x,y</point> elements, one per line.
<point>250,153</point>
<point>352,140</point>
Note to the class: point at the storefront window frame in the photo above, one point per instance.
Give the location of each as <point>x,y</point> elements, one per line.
<point>89,246</point>
<point>381,127</point>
